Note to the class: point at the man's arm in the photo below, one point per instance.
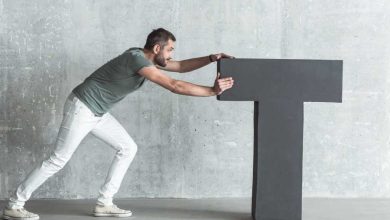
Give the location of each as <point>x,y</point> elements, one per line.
<point>182,87</point>
<point>193,63</point>
<point>172,66</point>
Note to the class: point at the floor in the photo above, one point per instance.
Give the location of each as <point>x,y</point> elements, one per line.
<point>211,209</point>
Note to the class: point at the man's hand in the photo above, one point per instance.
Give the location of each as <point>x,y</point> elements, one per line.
<point>216,57</point>
<point>223,84</point>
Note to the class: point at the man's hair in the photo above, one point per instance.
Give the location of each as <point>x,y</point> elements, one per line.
<point>158,36</point>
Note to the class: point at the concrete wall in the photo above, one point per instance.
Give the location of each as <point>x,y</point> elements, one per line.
<point>188,146</point>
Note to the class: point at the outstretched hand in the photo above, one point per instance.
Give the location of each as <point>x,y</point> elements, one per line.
<point>223,84</point>
<point>218,56</point>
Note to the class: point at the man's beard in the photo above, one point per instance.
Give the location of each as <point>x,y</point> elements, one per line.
<point>160,60</point>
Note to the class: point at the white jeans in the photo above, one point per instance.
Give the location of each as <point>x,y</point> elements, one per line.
<point>78,121</point>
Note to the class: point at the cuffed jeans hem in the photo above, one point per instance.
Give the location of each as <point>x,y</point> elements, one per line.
<point>15,205</point>
<point>104,201</point>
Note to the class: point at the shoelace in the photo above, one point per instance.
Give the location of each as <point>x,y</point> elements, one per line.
<point>24,211</point>
<point>118,209</point>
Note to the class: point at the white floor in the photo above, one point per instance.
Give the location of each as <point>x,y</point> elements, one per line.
<point>208,209</point>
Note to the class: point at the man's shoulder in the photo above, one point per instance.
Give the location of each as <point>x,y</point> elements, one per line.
<point>135,57</point>
<point>134,51</point>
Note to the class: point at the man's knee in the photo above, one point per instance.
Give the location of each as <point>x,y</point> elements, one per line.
<point>129,150</point>
<point>54,162</point>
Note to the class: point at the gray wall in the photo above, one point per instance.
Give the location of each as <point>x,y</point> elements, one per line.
<point>188,146</point>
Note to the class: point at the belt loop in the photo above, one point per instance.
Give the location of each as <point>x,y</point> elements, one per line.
<point>74,97</point>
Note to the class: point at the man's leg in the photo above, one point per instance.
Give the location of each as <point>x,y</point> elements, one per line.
<point>113,133</point>
<point>77,122</point>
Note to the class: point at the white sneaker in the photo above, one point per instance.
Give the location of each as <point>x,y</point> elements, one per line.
<point>19,214</point>
<point>110,211</point>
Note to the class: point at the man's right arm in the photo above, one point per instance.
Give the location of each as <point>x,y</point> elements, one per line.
<point>182,87</point>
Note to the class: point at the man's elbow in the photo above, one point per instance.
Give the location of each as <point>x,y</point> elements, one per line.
<point>182,68</point>
<point>174,86</point>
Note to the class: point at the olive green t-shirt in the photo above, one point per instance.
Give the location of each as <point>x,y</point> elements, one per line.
<point>113,81</point>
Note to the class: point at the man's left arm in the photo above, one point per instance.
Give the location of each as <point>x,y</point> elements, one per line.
<point>188,65</point>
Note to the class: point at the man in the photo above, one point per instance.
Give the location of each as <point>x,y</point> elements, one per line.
<point>86,110</point>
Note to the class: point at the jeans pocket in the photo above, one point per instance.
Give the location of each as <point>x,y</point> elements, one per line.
<point>83,109</point>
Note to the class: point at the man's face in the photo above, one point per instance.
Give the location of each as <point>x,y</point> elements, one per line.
<point>165,54</point>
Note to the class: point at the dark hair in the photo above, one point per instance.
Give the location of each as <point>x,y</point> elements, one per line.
<point>158,36</point>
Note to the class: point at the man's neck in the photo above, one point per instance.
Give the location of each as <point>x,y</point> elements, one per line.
<point>149,55</point>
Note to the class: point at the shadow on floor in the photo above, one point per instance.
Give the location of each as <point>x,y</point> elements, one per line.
<point>143,209</point>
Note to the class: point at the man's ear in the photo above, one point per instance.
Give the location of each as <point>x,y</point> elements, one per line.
<point>156,49</point>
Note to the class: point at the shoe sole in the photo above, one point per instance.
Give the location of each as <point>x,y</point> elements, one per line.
<point>112,215</point>
<point>18,218</point>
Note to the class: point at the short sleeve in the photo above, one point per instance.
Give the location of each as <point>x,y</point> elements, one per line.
<point>137,61</point>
